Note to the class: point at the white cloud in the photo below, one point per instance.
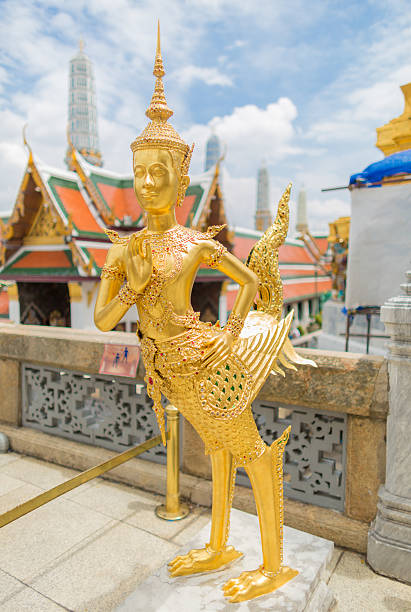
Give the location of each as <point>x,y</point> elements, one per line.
<point>250,134</point>
<point>332,135</point>
<point>211,76</point>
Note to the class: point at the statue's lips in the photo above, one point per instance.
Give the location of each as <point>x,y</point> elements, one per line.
<point>149,195</point>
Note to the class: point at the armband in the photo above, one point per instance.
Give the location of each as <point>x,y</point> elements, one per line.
<point>112,273</point>
<point>127,295</point>
<point>215,258</point>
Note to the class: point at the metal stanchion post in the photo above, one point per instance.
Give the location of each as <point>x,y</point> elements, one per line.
<point>173,509</point>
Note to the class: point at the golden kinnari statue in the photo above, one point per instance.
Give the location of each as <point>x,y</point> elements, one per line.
<point>210,374</point>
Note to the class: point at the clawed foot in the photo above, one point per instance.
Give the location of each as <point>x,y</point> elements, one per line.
<point>202,560</point>
<point>253,584</point>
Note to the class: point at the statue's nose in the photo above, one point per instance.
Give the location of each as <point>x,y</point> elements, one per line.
<point>148,180</point>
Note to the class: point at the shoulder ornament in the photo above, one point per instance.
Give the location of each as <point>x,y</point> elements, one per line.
<point>213,230</point>
<point>115,238</point>
<point>216,256</point>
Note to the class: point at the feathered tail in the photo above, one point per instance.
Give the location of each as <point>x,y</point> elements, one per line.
<point>263,260</point>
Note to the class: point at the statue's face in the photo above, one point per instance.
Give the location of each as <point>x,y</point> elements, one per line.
<point>156,180</point>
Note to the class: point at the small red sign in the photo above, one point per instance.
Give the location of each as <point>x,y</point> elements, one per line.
<point>120,360</point>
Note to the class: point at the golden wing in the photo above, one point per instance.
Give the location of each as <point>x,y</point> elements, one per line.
<point>263,260</point>
<point>264,345</point>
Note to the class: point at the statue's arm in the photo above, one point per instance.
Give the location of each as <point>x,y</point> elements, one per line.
<point>245,278</point>
<point>109,310</point>
<point>248,283</point>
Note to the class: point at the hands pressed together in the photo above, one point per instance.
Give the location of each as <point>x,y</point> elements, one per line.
<point>139,264</point>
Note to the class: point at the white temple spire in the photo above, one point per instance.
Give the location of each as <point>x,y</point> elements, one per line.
<point>82,108</point>
<point>302,221</point>
<point>263,217</point>
<point>213,151</point>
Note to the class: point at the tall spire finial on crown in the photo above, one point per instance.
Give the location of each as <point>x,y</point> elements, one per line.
<point>158,109</point>
<point>158,63</point>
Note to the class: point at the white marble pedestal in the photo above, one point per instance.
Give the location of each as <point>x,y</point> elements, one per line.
<point>306,592</point>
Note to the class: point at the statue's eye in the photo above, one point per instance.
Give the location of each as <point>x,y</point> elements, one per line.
<point>158,170</point>
<point>139,171</point>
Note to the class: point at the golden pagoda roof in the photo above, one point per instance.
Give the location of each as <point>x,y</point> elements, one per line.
<point>395,135</point>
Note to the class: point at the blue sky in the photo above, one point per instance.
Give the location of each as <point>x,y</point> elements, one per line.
<point>302,85</point>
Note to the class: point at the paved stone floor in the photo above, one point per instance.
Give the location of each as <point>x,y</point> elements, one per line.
<point>87,550</point>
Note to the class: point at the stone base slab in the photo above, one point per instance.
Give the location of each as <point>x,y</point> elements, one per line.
<point>203,592</point>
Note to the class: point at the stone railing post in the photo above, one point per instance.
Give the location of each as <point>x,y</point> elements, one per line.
<point>389,538</point>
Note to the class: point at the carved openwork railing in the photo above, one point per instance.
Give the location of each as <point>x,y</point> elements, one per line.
<point>116,413</point>
<point>334,462</point>
<point>314,459</point>
<point>106,411</point>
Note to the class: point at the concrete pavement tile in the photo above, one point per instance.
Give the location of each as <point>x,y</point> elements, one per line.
<point>28,600</point>
<point>190,530</point>
<point>18,496</point>
<point>37,472</point>
<point>8,586</point>
<point>99,573</point>
<point>169,530</point>
<point>33,540</point>
<point>9,483</point>
<point>134,507</point>
<point>358,589</point>
<point>116,500</point>
<point>332,564</point>
<point>8,458</point>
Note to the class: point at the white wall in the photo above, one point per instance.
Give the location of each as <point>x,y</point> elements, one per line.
<point>380,243</point>
<point>82,313</point>
<point>14,310</point>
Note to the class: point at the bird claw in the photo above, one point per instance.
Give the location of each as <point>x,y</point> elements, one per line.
<point>250,585</point>
<point>202,560</point>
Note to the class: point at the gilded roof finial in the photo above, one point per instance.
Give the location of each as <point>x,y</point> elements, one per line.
<point>81,45</point>
<point>26,144</point>
<point>158,109</point>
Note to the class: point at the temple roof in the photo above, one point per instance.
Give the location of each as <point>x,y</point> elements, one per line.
<point>301,275</point>
<point>55,232</point>
<point>56,228</point>
<point>395,135</point>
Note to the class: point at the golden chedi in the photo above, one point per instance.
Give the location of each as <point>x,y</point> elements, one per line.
<point>210,374</point>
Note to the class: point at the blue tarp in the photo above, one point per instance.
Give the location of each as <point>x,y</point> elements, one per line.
<point>397,163</point>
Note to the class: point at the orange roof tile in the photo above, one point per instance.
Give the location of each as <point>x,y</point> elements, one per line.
<point>4,302</point>
<point>44,259</point>
<point>99,255</point>
<point>243,246</point>
<point>322,244</point>
<point>296,290</point>
<point>300,272</point>
<point>75,205</point>
<point>183,211</point>
<point>121,200</point>
<point>290,253</point>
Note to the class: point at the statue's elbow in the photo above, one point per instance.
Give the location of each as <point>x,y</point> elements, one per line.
<point>99,323</point>
<point>253,280</point>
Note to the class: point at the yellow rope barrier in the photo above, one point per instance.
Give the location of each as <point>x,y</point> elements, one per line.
<point>76,481</point>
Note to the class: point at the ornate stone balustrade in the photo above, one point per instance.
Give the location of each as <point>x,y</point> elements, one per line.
<point>335,461</point>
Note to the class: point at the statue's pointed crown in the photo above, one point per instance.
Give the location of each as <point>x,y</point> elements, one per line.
<point>159,133</point>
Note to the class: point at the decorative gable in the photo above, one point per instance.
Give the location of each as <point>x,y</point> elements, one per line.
<point>47,228</point>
